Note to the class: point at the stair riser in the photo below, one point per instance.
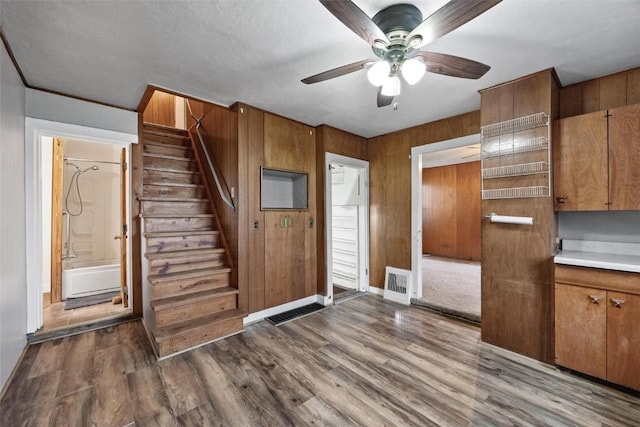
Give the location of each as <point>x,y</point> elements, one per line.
<point>150,207</point>
<point>151,127</point>
<point>201,335</point>
<point>153,225</point>
<point>158,177</point>
<point>187,286</point>
<point>193,310</point>
<point>184,142</point>
<point>181,165</point>
<point>174,265</point>
<point>167,191</point>
<point>169,150</point>
<point>163,244</point>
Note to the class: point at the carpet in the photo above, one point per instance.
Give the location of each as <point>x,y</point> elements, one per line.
<point>451,287</point>
<point>296,313</point>
<point>71,303</point>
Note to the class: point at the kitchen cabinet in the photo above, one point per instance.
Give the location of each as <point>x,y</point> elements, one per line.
<point>597,313</point>
<point>595,161</point>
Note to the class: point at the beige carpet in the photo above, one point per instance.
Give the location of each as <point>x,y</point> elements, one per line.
<point>451,286</point>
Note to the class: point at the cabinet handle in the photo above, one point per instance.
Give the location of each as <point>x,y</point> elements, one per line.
<point>595,299</point>
<point>617,302</point>
<point>561,199</point>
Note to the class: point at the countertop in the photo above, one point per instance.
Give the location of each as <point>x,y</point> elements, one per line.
<point>607,261</point>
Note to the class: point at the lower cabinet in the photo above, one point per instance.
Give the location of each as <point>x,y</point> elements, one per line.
<point>597,323</point>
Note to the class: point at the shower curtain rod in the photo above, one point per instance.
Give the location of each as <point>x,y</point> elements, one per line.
<point>90,160</point>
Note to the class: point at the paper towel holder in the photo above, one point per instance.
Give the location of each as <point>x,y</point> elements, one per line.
<point>524,220</point>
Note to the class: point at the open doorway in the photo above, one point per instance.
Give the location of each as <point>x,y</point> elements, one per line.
<point>347,222</point>
<point>84,241</point>
<point>446,219</point>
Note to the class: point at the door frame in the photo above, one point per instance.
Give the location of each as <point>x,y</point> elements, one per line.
<point>416,202</point>
<point>36,129</point>
<point>363,221</point>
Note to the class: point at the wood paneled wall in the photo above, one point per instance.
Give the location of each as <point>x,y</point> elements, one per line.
<point>279,265</point>
<point>615,90</point>
<point>451,211</point>
<point>335,141</point>
<point>390,188</point>
<point>161,109</point>
<point>517,262</point>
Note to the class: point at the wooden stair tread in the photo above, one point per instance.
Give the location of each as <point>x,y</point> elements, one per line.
<point>199,322</point>
<point>183,252</point>
<point>157,169</point>
<point>179,233</point>
<point>167,157</point>
<point>165,134</point>
<point>187,274</point>
<point>162,127</point>
<point>174,184</point>
<point>171,199</point>
<point>178,300</point>
<point>174,215</point>
<point>166,145</point>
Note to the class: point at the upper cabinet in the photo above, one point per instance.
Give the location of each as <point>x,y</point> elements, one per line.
<point>595,161</point>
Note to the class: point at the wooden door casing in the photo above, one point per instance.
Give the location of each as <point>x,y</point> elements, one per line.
<point>623,339</point>
<point>581,329</point>
<point>123,228</point>
<point>580,163</point>
<point>624,158</point>
<point>57,190</point>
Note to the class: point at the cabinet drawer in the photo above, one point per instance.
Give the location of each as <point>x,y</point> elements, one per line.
<point>610,280</point>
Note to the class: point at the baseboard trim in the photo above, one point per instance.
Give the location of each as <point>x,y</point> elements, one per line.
<point>376,291</point>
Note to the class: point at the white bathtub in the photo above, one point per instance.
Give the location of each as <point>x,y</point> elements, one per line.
<point>81,281</point>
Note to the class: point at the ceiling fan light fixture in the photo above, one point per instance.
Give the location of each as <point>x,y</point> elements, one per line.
<point>413,70</point>
<point>378,73</point>
<point>391,86</point>
<point>415,41</point>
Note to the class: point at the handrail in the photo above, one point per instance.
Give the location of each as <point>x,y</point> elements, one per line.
<point>223,196</point>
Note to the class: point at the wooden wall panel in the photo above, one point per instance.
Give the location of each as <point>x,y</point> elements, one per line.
<point>439,220</point>
<point>390,188</point>
<point>161,109</point>
<point>330,140</point>
<point>614,90</point>
<point>517,263</point>
<point>468,213</point>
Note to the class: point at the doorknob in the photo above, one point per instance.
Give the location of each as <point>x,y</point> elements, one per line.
<point>117,237</point>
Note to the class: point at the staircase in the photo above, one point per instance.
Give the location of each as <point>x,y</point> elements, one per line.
<point>190,300</point>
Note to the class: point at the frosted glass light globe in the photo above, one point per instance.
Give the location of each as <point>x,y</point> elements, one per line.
<point>378,73</point>
<point>391,86</point>
<point>412,70</point>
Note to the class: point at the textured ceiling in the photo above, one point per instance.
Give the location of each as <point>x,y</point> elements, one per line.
<point>257,51</point>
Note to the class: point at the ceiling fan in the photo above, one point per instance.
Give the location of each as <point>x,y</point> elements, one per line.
<point>396,34</point>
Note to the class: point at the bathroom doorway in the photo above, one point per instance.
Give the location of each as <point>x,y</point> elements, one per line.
<point>87,210</point>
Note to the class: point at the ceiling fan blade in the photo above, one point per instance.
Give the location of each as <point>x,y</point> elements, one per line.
<point>383,100</point>
<point>337,72</point>
<point>449,17</point>
<point>454,66</point>
<point>356,20</point>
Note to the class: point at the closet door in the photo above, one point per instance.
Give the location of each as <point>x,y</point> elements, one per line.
<point>284,264</point>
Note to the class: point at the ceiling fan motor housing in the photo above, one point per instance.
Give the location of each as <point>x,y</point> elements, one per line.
<point>397,21</point>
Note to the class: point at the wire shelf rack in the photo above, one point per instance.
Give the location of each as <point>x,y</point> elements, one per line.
<point>516,192</point>
<point>498,148</point>
<point>515,170</point>
<point>515,125</point>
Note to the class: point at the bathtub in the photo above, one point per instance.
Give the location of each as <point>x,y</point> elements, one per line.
<point>82,281</point>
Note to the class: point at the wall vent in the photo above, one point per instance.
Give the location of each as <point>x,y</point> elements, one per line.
<point>397,285</point>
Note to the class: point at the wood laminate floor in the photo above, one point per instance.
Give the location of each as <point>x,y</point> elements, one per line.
<point>55,317</point>
<point>364,362</point>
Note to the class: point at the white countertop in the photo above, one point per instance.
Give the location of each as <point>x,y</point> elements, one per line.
<point>606,261</point>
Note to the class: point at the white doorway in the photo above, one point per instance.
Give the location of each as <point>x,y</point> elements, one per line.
<point>438,156</point>
<point>347,226</point>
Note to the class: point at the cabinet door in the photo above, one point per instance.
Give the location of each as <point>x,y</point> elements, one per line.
<point>580,180</point>
<point>623,339</point>
<point>284,263</point>
<point>581,328</point>
<point>624,158</point>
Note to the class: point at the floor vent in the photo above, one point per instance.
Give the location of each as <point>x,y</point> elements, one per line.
<point>397,285</point>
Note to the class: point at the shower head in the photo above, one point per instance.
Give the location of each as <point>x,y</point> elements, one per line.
<point>92,168</point>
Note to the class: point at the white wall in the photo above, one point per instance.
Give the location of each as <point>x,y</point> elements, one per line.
<point>56,108</point>
<point>13,280</point>
<point>620,226</point>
